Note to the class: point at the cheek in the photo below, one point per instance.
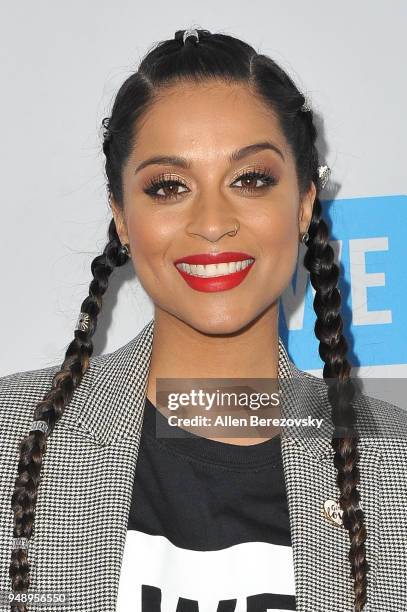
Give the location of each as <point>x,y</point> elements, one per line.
<point>150,238</point>
<point>275,230</point>
<point>277,241</point>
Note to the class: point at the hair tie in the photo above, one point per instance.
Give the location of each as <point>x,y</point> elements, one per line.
<point>39,426</point>
<point>83,322</point>
<point>188,33</point>
<point>19,543</point>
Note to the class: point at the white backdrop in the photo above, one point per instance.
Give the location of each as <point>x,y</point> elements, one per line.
<point>61,65</point>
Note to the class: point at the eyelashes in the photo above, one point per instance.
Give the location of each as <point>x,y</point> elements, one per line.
<point>170,185</point>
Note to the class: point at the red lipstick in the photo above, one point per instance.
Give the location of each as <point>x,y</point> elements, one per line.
<point>208,258</point>
<point>213,279</point>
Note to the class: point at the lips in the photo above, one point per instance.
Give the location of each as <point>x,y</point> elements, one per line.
<point>211,258</point>
<point>214,271</point>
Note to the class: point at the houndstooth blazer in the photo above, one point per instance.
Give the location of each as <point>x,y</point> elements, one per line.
<point>88,470</point>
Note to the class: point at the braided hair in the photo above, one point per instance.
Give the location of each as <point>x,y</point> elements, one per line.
<point>230,59</point>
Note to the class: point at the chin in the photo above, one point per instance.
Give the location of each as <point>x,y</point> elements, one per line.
<point>215,323</point>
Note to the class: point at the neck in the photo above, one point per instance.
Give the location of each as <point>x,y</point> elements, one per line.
<point>181,351</point>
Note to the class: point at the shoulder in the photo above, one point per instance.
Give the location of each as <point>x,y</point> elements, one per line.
<point>21,392</point>
<point>27,382</point>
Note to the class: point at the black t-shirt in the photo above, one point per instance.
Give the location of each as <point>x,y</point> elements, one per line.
<point>208,527</point>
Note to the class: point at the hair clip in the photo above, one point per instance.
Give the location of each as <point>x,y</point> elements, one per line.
<point>323,174</point>
<point>306,105</point>
<point>83,322</point>
<point>107,134</point>
<point>20,543</point>
<point>188,33</point>
<point>39,426</point>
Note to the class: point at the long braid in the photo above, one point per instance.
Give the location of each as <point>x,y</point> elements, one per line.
<point>32,448</point>
<point>324,273</point>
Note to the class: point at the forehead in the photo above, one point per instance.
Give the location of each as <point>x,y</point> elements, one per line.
<point>214,116</point>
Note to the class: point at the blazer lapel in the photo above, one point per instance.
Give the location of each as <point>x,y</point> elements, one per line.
<point>109,412</point>
<point>321,547</point>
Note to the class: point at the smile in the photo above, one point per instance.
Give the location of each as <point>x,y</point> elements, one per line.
<point>212,270</point>
<point>215,271</point>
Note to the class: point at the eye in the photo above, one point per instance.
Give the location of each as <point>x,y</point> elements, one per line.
<point>249,180</point>
<point>170,186</point>
<point>167,185</point>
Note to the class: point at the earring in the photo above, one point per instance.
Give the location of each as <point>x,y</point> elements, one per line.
<point>305,238</point>
<point>124,250</point>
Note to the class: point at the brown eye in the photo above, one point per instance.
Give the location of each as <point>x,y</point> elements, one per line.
<point>250,179</point>
<point>169,187</point>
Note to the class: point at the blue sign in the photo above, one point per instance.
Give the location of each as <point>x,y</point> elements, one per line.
<point>369,237</point>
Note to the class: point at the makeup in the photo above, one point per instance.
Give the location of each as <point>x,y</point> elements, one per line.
<point>215,271</point>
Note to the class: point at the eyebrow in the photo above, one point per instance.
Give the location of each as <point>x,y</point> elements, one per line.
<point>237,155</point>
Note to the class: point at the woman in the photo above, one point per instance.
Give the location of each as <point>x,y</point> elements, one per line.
<point>210,152</point>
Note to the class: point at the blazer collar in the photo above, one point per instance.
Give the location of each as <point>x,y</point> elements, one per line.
<point>108,402</point>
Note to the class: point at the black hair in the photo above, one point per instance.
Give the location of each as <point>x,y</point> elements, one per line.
<point>225,58</point>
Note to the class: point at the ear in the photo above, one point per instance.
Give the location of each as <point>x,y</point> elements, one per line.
<point>306,206</point>
<point>119,220</point>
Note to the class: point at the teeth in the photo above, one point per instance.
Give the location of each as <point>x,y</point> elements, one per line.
<point>211,270</point>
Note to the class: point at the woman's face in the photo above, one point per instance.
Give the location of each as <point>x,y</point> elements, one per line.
<point>203,199</point>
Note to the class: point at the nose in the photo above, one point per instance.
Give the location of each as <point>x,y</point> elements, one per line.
<point>213,222</point>
<point>213,234</point>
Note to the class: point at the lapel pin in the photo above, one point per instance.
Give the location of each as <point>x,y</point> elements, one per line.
<point>333,512</point>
